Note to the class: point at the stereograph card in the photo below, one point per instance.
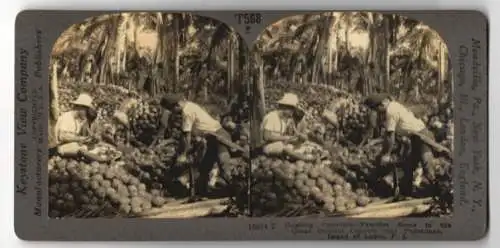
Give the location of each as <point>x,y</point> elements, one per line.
<point>258,125</point>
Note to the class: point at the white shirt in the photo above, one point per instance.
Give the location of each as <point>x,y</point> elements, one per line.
<point>68,124</point>
<point>196,119</point>
<point>273,122</point>
<point>401,120</point>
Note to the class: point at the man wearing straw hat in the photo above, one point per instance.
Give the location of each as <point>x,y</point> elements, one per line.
<point>279,131</point>
<point>69,130</point>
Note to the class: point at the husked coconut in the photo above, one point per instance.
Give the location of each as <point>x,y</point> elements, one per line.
<point>106,184</point>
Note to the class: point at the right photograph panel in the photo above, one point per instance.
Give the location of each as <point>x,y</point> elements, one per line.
<point>352,117</point>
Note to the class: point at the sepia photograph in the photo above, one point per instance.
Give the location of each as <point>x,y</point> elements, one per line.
<point>149,118</point>
<point>352,116</point>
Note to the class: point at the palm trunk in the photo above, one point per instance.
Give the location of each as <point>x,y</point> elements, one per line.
<point>332,47</point>
<point>321,46</point>
<point>337,55</point>
<point>54,104</point>
<point>442,71</point>
<point>262,103</point>
<point>387,59</point>
<point>164,42</point>
<point>259,105</point>
<point>157,74</point>
<point>121,44</point>
<point>177,51</point>
<point>138,81</point>
<point>106,67</point>
<point>330,63</point>
<point>371,57</point>
<point>347,30</point>
<point>317,61</point>
<point>54,93</point>
<point>104,62</point>
<point>230,65</point>
<point>372,61</point>
<point>242,73</point>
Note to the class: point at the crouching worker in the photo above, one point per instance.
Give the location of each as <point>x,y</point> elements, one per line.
<point>279,133</point>
<point>330,114</point>
<point>117,133</point>
<point>120,132</point>
<point>70,128</point>
<point>197,122</point>
<point>400,120</point>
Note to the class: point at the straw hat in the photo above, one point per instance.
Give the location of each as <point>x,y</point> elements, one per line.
<point>83,100</point>
<point>121,117</point>
<point>289,99</point>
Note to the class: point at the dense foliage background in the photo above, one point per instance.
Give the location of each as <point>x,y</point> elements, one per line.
<point>357,52</point>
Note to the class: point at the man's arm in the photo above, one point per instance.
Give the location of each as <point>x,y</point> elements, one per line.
<point>187,127</point>
<point>390,125</point>
<point>272,136</point>
<point>371,120</point>
<point>127,136</point>
<point>331,117</point>
<point>186,143</point>
<point>108,138</point>
<point>67,137</point>
<point>163,124</point>
<point>158,136</point>
<point>390,141</point>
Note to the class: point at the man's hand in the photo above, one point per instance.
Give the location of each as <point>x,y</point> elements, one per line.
<point>405,140</point>
<point>182,159</point>
<point>230,125</point>
<point>292,140</point>
<point>302,137</point>
<point>298,139</point>
<point>85,139</point>
<point>385,159</point>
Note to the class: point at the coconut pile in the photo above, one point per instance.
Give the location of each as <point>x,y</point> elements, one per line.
<point>145,174</point>
<point>293,188</point>
<point>145,120</point>
<point>350,177</point>
<point>283,186</point>
<point>81,189</point>
<point>139,181</point>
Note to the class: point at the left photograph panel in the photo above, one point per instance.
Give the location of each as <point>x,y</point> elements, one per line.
<point>148,118</point>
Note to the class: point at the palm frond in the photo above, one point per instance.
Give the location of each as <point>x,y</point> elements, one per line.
<point>308,18</point>
<point>102,22</point>
<point>220,34</point>
<point>268,33</point>
<point>302,29</point>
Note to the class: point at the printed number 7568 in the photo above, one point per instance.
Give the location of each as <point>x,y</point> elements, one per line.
<point>248,18</point>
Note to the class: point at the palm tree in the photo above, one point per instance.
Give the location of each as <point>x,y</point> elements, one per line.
<point>258,103</point>
<point>109,38</point>
<point>428,44</point>
<point>318,28</point>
